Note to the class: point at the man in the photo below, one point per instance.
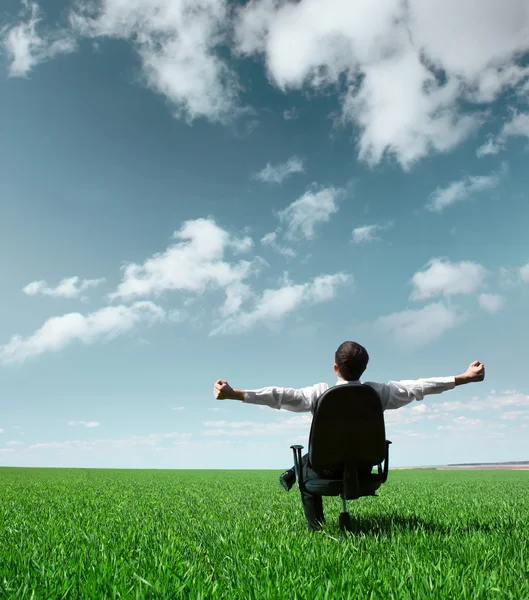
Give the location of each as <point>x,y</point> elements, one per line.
<point>350,362</point>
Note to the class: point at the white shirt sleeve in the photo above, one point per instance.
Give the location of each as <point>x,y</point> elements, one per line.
<point>293,399</point>
<point>395,394</point>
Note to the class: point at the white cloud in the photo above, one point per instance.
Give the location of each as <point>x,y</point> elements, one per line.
<point>291,425</point>
<point>6,450</point>
<point>387,58</point>
<point>367,233</point>
<point>177,43</point>
<point>444,278</point>
<point>154,440</point>
<point>302,217</point>
<point>409,416</point>
<point>491,146</point>
<point>278,173</point>
<point>84,423</point>
<point>193,264</point>
<point>512,415</point>
<point>71,287</point>
<point>307,212</point>
<point>178,407</point>
<point>14,443</point>
<point>57,332</point>
<point>26,48</point>
<point>524,273</point>
<point>291,114</point>
<point>463,189</point>
<point>1,431</point>
<point>517,126</point>
<point>412,78</point>
<point>462,423</point>
<point>270,239</point>
<point>422,436</point>
<point>418,327</point>
<point>513,276</point>
<point>274,304</point>
<point>236,294</point>
<point>491,303</point>
<point>507,399</point>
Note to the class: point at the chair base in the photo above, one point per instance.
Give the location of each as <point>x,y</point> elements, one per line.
<point>345,522</point>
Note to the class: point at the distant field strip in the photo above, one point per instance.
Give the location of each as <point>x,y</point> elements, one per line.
<point>98,534</point>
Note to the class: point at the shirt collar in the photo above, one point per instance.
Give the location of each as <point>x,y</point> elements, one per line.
<point>340,381</point>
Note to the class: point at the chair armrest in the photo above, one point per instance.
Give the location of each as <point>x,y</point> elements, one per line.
<point>386,463</point>
<point>297,465</point>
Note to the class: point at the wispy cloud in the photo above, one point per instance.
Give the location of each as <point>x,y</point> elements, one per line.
<point>71,287</point>
<point>368,233</point>
<point>177,45</point>
<point>516,126</point>
<point>492,303</point>
<point>291,114</point>
<point>462,423</point>
<point>524,273</point>
<point>154,439</point>
<point>274,304</point>
<point>442,277</point>
<point>178,408</point>
<point>494,401</point>
<point>414,328</point>
<point>14,443</point>
<point>195,263</point>
<point>387,56</point>
<point>252,428</point>
<point>57,332</point>
<point>490,147</point>
<point>309,211</point>
<point>83,423</point>
<point>26,47</point>
<point>458,417</point>
<point>278,173</point>
<point>270,239</point>
<point>463,189</point>
<point>512,415</point>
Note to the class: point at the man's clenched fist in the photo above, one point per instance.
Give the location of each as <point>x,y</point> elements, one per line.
<point>222,390</point>
<point>476,371</point>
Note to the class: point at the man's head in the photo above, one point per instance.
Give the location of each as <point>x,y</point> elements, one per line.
<point>350,361</point>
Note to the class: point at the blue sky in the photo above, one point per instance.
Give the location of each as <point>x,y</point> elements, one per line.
<point>231,192</point>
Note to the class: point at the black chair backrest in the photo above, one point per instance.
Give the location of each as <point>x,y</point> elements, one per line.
<point>347,429</point>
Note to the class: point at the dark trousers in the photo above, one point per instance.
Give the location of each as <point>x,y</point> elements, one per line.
<point>313,505</point>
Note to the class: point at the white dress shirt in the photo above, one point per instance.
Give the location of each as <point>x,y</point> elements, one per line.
<point>393,394</point>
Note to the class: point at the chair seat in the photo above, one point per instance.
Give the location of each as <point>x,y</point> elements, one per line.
<point>333,487</point>
<point>324,487</point>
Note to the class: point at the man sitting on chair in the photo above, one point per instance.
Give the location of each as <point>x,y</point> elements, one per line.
<point>350,362</point>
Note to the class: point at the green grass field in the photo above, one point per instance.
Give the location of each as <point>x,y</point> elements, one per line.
<point>68,533</point>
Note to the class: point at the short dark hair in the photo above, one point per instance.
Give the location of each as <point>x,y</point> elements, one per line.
<point>351,360</point>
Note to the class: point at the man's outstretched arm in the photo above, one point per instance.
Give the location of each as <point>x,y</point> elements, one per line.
<point>293,399</point>
<point>395,394</point>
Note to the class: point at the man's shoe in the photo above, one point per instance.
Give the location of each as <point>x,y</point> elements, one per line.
<point>287,479</point>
